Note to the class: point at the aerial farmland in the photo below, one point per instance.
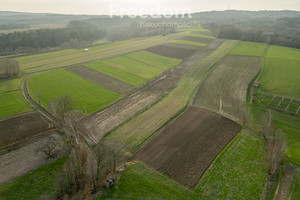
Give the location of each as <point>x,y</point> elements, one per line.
<point>209,111</point>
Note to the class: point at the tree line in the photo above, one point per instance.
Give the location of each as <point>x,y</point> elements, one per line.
<point>254,35</point>
<point>45,38</point>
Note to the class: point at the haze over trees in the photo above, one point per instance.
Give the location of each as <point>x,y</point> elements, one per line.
<point>9,68</point>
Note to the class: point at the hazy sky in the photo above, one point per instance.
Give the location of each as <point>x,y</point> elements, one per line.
<point>99,7</point>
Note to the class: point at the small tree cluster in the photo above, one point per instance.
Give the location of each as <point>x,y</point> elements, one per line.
<point>9,68</point>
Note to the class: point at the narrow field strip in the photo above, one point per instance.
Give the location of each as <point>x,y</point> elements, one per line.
<point>103,80</point>
<point>239,172</point>
<point>50,85</point>
<point>186,42</point>
<point>132,66</point>
<point>171,51</point>
<point>116,73</point>
<point>155,60</point>
<point>199,34</point>
<point>197,39</point>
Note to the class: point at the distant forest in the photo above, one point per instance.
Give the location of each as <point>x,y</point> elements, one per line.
<point>272,27</point>
<point>76,34</point>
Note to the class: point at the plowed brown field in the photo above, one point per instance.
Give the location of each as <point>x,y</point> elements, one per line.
<point>171,51</point>
<point>21,127</point>
<point>186,148</point>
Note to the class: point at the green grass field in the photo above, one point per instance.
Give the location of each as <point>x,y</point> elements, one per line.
<point>294,193</point>
<point>291,127</point>
<point>249,49</point>
<point>117,73</point>
<point>13,103</point>
<point>140,182</point>
<point>239,172</point>
<point>282,72</point>
<point>155,60</point>
<point>51,60</point>
<point>52,84</point>
<point>132,66</point>
<point>35,185</point>
<point>189,43</point>
<point>199,35</point>
<point>10,85</point>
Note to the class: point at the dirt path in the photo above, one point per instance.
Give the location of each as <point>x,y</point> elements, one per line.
<point>100,123</point>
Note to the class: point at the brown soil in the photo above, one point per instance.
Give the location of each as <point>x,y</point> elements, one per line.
<point>29,157</point>
<point>21,127</point>
<point>171,51</point>
<point>186,147</point>
<point>197,39</point>
<point>103,80</point>
<point>102,122</point>
<point>183,46</point>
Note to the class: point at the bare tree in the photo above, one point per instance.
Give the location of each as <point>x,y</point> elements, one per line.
<point>266,125</point>
<point>276,146</point>
<point>61,106</point>
<point>9,68</point>
<point>51,148</point>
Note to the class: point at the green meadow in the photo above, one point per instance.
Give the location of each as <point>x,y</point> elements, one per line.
<point>189,43</point>
<point>52,84</point>
<point>249,49</point>
<point>282,72</point>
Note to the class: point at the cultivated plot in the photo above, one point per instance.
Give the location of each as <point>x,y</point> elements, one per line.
<point>155,60</point>
<point>190,43</point>
<point>50,85</point>
<point>103,80</point>
<point>249,49</point>
<point>13,103</point>
<point>225,88</point>
<point>186,148</point>
<point>21,127</point>
<point>169,51</point>
<point>116,73</point>
<point>193,38</point>
<point>239,172</point>
<point>132,66</point>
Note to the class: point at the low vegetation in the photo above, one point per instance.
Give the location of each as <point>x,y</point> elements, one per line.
<point>13,103</point>
<point>35,185</point>
<point>240,171</point>
<point>281,73</point>
<point>249,49</point>
<point>50,85</point>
